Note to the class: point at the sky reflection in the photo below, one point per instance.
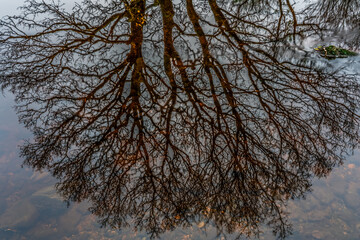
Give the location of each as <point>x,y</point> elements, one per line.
<point>30,208</point>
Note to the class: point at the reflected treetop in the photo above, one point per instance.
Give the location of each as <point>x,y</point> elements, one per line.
<point>171,112</point>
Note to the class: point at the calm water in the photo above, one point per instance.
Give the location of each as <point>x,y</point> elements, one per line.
<point>30,209</point>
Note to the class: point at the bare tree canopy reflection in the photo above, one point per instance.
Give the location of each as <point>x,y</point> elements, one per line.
<point>171,112</point>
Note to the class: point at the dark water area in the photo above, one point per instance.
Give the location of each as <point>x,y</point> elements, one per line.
<point>31,209</point>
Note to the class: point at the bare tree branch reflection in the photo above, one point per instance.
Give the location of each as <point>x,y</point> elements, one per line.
<point>171,113</point>
<point>339,17</point>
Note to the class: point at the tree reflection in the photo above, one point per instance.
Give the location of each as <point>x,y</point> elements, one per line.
<point>337,17</point>
<point>172,113</point>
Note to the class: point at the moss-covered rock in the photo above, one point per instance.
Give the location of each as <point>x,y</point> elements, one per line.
<point>332,52</point>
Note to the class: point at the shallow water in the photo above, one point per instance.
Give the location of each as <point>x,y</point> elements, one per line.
<point>30,208</point>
